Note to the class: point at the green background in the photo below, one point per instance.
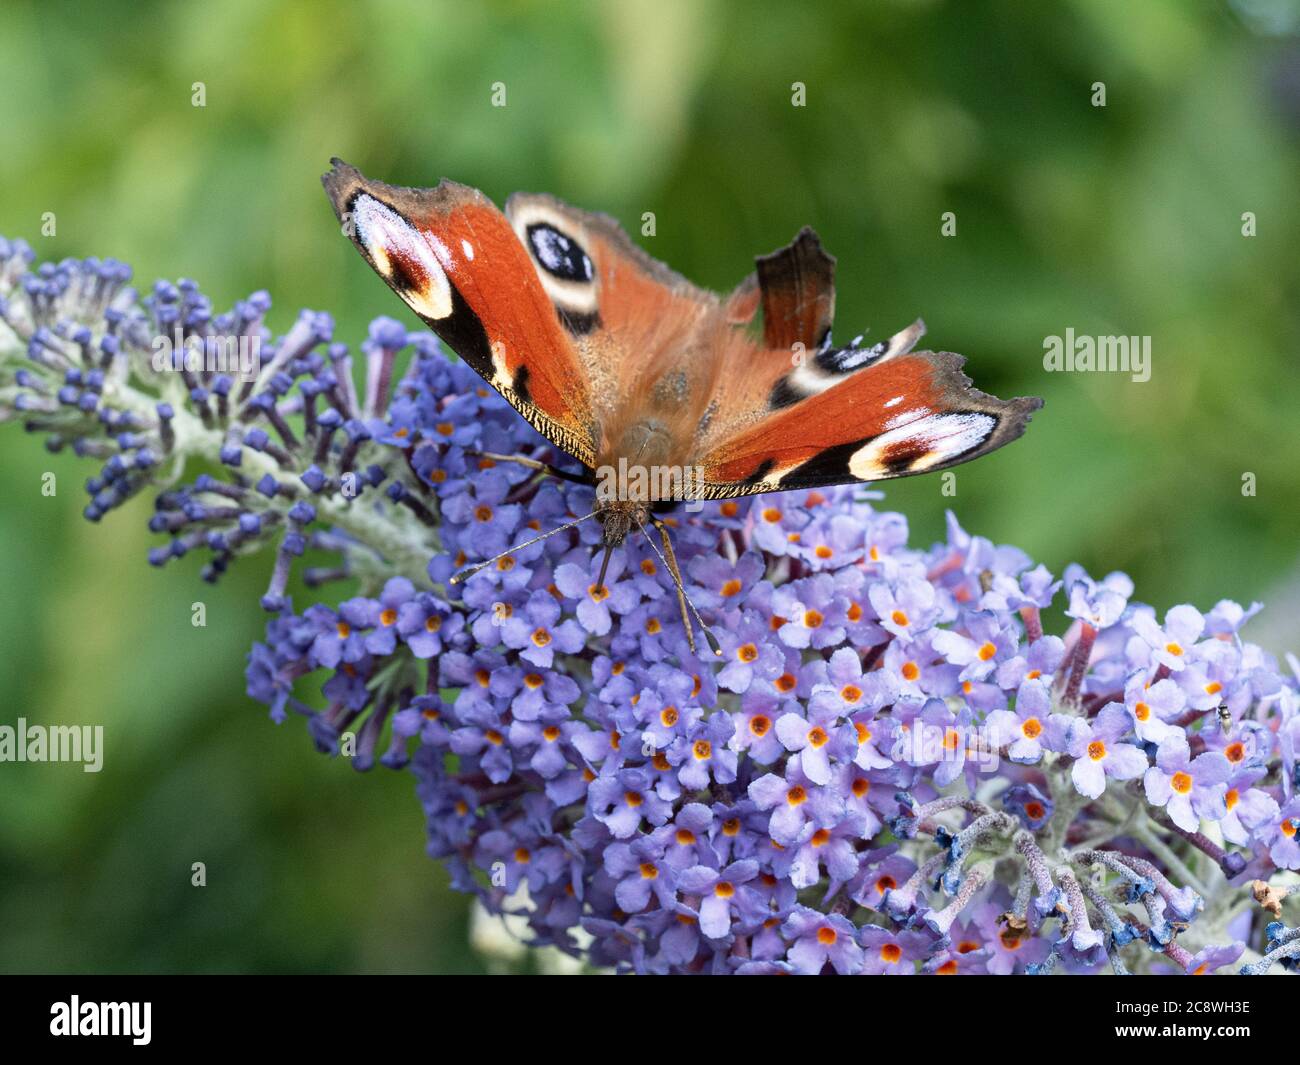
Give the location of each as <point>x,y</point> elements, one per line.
<point>1117,220</point>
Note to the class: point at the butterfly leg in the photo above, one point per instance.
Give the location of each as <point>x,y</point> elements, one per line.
<point>670,560</point>
<point>534,464</point>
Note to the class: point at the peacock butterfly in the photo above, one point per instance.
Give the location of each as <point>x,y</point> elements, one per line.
<point>628,367</point>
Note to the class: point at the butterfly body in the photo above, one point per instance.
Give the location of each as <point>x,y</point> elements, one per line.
<point>660,389</point>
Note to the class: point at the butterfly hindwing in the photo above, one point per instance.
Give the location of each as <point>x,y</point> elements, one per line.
<point>455,260</point>
<point>798,293</point>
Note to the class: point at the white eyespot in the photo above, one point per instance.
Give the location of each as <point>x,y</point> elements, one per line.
<point>405,256</point>
<point>932,440</point>
<point>893,402</point>
<point>468,249</point>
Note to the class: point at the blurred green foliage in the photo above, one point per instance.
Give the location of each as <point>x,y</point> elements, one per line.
<point>1117,220</point>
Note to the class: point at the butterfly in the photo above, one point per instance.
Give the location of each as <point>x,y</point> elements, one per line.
<point>662,390</point>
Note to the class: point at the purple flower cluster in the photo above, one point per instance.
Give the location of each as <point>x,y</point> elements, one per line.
<point>304,462</point>
<point>658,810</point>
<point>891,768</point>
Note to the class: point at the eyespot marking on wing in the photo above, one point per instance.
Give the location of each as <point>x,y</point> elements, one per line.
<point>403,256</point>
<point>921,444</point>
<point>564,268</point>
<point>559,253</point>
<point>829,365</point>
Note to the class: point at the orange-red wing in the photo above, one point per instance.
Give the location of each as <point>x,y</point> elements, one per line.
<point>798,288</point>
<point>906,414</point>
<point>637,325</point>
<point>457,263</point>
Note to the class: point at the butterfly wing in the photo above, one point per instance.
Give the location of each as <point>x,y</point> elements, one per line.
<point>641,330</point>
<point>800,413</point>
<point>456,262</point>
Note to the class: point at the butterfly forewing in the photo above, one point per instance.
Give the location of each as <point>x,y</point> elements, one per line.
<point>455,260</point>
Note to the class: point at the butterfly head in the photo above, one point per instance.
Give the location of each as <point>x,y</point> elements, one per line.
<point>618,517</point>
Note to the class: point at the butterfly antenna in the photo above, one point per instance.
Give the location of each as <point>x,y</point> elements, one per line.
<point>466,574</point>
<point>604,568</point>
<point>532,464</point>
<point>683,600</point>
